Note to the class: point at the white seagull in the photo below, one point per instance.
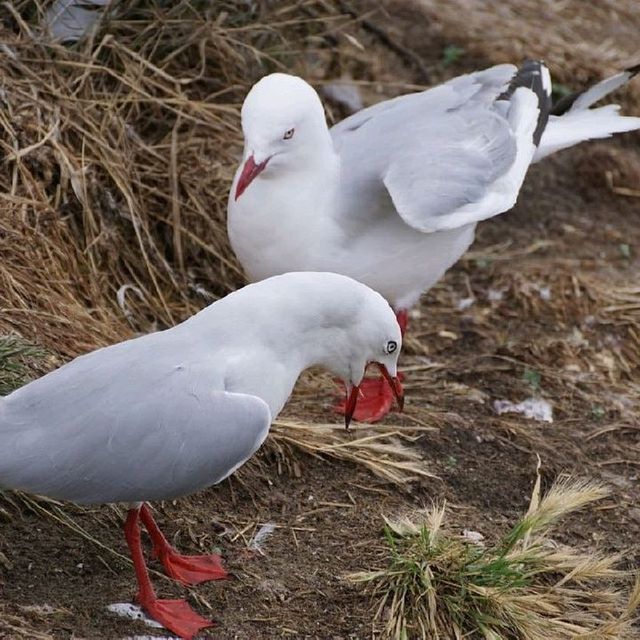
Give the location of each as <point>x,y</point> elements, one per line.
<point>176,411</point>
<point>391,195</point>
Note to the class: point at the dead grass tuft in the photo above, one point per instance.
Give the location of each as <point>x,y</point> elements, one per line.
<point>384,450</point>
<point>435,583</point>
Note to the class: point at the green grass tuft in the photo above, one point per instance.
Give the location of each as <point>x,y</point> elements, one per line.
<point>451,54</point>
<point>438,584</point>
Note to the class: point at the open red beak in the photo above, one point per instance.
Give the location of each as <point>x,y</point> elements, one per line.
<point>395,384</point>
<point>352,398</point>
<point>250,172</point>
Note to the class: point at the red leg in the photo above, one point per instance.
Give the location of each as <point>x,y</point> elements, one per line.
<point>175,615</point>
<point>402,317</point>
<point>185,569</point>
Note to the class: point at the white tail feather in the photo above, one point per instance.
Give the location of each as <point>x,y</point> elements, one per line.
<point>577,126</point>
<point>580,123</point>
<point>600,90</point>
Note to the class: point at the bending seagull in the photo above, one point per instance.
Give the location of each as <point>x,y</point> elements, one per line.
<point>391,195</point>
<point>177,411</point>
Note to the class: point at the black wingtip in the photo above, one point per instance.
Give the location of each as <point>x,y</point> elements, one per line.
<point>534,75</point>
<point>634,71</point>
<point>565,103</point>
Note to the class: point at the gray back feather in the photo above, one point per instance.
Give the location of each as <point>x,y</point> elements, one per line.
<point>141,420</point>
<point>433,152</point>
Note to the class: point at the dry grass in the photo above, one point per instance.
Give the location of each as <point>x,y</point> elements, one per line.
<point>580,41</point>
<point>385,450</point>
<point>437,583</point>
<point>117,155</point>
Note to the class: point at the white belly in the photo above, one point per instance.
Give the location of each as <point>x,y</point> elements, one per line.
<point>391,258</point>
<point>402,263</point>
<point>299,235</point>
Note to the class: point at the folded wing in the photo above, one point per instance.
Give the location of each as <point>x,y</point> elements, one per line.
<point>98,431</point>
<point>448,156</point>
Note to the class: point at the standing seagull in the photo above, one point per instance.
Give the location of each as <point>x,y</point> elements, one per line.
<point>177,411</point>
<point>391,195</point>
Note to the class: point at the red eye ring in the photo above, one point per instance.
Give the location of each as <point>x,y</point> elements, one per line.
<point>288,134</point>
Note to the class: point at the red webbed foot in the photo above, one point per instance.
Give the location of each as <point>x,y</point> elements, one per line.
<point>186,569</point>
<point>192,569</point>
<point>175,615</point>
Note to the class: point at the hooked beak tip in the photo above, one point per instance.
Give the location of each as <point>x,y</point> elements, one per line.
<point>396,386</point>
<point>350,405</point>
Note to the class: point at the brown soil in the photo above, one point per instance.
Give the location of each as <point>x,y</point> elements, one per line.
<point>330,516</point>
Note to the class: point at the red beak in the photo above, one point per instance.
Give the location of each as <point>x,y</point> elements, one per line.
<point>350,406</point>
<point>250,172</point>
<point>352,398</point>
<point>395,384</point>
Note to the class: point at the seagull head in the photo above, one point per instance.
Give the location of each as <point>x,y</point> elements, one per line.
<point>290,322</point>
<point>375,340</point>
<point>283,124</point>
<point>339,324</point>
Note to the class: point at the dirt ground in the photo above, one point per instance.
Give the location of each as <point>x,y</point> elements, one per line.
<point>541,318</point>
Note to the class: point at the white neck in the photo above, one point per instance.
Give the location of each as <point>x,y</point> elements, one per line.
<point>272,374</point>
<point>265,347</point>
<point>287,215</point>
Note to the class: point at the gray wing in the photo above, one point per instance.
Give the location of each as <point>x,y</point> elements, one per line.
<point>446,157</point>
<point>485,85</point>
<point>121,425</point>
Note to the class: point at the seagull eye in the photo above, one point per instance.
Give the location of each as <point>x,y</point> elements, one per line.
<point>391,346</point>
<point>288,134</point>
